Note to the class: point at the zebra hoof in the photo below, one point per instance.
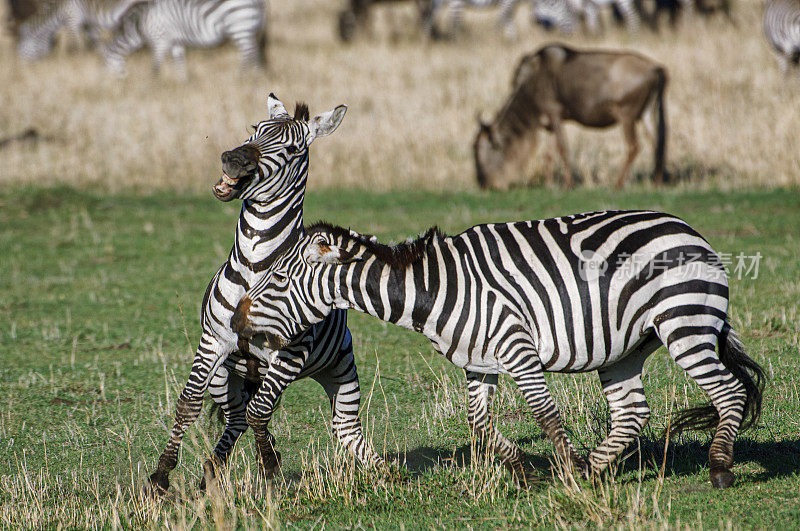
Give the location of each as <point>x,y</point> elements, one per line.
<point>722,478</point>
<point>159,483</point>
<point>271,464</point>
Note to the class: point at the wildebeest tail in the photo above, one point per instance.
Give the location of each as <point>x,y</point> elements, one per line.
<point>661,125</point>
<point>744,369</point>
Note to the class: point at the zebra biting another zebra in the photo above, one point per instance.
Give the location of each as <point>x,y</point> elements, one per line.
<point>169,26</point>
<point>246,378</point>
<point>782,30</point>
<point>597,291</point>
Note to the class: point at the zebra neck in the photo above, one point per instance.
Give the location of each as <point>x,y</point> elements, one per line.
<point>264,232</point>
<point>405,296</point>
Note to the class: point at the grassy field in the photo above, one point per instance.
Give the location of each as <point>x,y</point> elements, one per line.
<point>99,298</point>
<point>732,117</point>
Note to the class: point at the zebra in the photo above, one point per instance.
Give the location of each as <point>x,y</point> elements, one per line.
<point>168,26</point>
<point>90,17</point>
<point>268,173</point>
<point>456,8</point>
<point>565,14</point>
<point>595,291</point>
<point>782,30</point>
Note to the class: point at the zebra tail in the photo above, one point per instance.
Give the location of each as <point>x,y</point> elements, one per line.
<point>744,369</point>
<point>661,125</point>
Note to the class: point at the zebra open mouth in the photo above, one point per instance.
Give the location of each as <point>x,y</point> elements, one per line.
<point>226,188</point>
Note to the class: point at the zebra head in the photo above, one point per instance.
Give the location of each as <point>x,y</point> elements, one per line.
<point>274,160</point>
<point>298,292</point>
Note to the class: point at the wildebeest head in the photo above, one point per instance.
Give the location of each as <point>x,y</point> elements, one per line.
<point>490,159</point>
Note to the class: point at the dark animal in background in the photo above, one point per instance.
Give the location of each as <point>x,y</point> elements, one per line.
<point>593,88</point>
<point>676,10</point>
<point>18,12</point>
<point>355,18</point>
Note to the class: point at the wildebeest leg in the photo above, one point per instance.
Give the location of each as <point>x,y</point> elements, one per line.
<point>563,151</point>
<point>622,385</point>
<point>629,131</point>
<point>480,391</point>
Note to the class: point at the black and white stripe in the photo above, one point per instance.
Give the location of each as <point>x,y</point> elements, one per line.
<point>169,26</point>
<point>566,14</point>
<point>456,13</point>
<point>246,378</point>
<point>782,30</point>
<point>37,34</point>
<point>598,291</point>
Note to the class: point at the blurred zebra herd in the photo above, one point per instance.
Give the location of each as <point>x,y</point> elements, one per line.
<point>116,28</point>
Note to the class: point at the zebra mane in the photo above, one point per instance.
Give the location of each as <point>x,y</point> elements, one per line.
<point>301,111</point>
<point>398,256</point>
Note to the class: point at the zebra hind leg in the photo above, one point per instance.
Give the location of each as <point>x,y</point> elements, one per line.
<point>732,380</point>
<point>622,385</point>
<point>231,393</point>
<point>480,391</point>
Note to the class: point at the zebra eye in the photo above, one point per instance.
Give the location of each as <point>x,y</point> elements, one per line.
<point>279,277</point>
<point>291,150</point>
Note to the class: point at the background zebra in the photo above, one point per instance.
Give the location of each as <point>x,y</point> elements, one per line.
<point>81,18</point>
<point>598,291</point>
<point>782,29</point>
<point>268,172</point>
<point>566,14</point>
<point>168,26</point>
<point>456,12</point>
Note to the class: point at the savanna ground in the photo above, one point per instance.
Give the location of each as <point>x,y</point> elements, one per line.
<point>109,237</point>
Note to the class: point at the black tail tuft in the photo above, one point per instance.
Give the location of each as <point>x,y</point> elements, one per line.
<point>747,371</point>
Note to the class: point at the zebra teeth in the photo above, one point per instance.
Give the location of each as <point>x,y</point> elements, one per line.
<point>228,180</point>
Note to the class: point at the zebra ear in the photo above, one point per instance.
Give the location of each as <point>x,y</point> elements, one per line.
<point>276,108</point>
<point>320,252</point>
<point>327,122</point>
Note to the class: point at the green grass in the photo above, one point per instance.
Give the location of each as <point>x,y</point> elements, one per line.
<point>99,300</point>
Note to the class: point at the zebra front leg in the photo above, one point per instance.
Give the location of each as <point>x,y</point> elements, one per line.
<point>341,385</point>
<point>622,385</point>
<point>480,391</point>
<point>522,362</point>
<point>206,362</point>
<point>283,370</point>
<point>179,60</point>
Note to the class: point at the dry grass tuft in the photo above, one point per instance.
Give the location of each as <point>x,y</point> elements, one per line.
<point>733,118</point>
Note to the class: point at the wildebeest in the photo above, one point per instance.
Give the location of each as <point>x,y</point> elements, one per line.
<point>593,88</point>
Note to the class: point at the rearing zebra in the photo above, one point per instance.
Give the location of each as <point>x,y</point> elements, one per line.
<point>782,29</point>
<point>598,291</point>
<point>246,378</point>
<point>168,26</point>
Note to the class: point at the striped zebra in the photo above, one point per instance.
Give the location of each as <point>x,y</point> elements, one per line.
<point>169,26</point>
<point>246,378</point>
<point>565,14</point>
<point>37,34</point>
<point>456,13</point>
<point>782,30</point>
<point>597,291</point>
